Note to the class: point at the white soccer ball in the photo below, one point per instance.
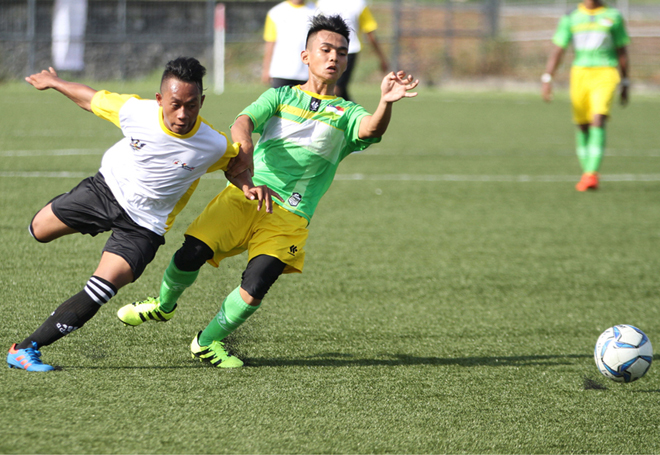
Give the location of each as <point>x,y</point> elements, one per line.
<point>623,353</point>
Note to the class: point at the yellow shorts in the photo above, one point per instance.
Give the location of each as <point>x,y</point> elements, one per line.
<point>592,91</point>
<point>231,224</point>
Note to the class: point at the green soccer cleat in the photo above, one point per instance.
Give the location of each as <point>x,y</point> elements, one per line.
<point>215,354</point>
<point>138,312</point>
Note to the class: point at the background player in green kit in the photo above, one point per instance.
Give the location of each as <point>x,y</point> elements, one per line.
<point>599,39</point>
<point>305,132</point>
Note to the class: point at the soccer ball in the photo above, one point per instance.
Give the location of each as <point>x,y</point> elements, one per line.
<point>623,353</point>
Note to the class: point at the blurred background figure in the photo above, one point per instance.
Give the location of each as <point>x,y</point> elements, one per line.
<point>357,15</point>
<point>284,33</point>
<point>599,39</point>
<point>69,19</point>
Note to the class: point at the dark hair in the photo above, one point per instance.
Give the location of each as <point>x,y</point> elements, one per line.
<point>334,24</point>
<point>186,69</point>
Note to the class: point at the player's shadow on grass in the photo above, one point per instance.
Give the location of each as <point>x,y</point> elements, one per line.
<point>334,359</point>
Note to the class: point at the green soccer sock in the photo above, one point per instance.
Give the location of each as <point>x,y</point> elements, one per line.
<point>581,141</point>
<point>174,282</point>
<point>595,149</point>
<point>233,313</point>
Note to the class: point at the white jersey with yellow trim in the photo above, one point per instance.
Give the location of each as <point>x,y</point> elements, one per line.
<point>287,25</point>
<point>152,171</point>
<point>357,15</point>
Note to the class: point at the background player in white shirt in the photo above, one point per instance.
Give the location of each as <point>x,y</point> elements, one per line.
<point>284,34</point>
<point>358,16</point>
<point>145,180</point>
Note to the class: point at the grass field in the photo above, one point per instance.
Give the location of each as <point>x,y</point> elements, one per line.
<point>454,288</point>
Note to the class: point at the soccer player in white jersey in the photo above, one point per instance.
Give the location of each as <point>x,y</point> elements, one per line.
<point>144,181</point>
<point>305,133</point>
<point>284,36</point>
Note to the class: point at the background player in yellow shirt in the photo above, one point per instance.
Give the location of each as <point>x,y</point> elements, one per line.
<point>599,40</point>
<point>144,181</point>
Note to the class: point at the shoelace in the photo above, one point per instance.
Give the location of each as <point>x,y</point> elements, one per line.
<point>33,355</point>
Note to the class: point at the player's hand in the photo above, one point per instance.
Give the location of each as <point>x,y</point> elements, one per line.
<point>546,91</point>
<point>43,80</point>
<point>397,85</point>
<point>241,162</point>
<point>624,96</point>
<point>263,194</point>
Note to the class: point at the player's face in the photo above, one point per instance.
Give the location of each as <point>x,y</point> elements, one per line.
<point>181,102</point>
<point>326,55</point>
<point>593,4</point>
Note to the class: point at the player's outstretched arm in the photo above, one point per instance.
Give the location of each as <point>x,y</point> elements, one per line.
<point>78,93</point>
<point>394,87</point>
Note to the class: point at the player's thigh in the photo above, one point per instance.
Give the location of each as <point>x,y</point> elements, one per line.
<point>282,235</point>
<point>135,244</point>
<point>605,83</point>
<point>226,224</point>
<point>45,226</point>
<point>580,95</point>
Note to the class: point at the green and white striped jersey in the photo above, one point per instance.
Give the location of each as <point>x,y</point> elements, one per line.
<point>304,137</point>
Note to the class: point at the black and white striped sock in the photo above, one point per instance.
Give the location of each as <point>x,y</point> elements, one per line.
<point>72,314</point>
<point>100,290</point>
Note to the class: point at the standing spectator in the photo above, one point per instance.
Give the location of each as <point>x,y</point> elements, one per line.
<point>357,15</point>
<point>284,33</point>
<point>599,40</point>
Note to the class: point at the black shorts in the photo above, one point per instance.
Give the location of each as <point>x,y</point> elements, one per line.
<point>91,208</point>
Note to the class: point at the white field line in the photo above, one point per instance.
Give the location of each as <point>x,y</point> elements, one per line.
<point>65,152</point>
<point>395,177</point>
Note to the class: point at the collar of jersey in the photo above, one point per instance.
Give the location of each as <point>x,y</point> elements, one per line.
<point>295,6</point>
<point>316,95</point>
<point>167,131</point>
<point>593,12</point>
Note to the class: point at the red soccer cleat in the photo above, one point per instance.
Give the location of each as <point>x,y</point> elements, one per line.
<point>589,181</point>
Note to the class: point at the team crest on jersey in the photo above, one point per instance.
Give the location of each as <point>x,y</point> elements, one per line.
<point>606,22</point>
<point>335,110</point>
<point>294,200</point>
<point>184,166</point>
<point>314,104</point>
<point>137,144</point>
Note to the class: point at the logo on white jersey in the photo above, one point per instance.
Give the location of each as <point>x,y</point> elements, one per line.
<point>137,144</point>
<point>184,166</point>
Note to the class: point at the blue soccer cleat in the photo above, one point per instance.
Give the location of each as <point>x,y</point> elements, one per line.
<point>26,359</point>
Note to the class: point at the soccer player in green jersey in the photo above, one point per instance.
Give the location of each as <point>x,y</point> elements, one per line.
<point>305,132</point>
<point>599,40</point>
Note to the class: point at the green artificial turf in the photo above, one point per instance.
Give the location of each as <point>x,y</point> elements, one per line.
<point>454,287</point>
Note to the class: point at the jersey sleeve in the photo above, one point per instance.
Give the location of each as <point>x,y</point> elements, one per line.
<point>563,35</point>
<point>270,30</point>
<point>107,105</point>
<point>367,22</point>
<point>356,114</point>
<point>619,34</point>
<point>262,109</point>
<point>230,151</point>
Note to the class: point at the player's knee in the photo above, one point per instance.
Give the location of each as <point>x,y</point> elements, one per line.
<point>35,236</point>
<point>260,274</point>
<point>192,255</point>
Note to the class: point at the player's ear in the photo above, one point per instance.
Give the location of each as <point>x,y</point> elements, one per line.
<point>304,55</point>
<point>201,101</point>
<point>159,99</point>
